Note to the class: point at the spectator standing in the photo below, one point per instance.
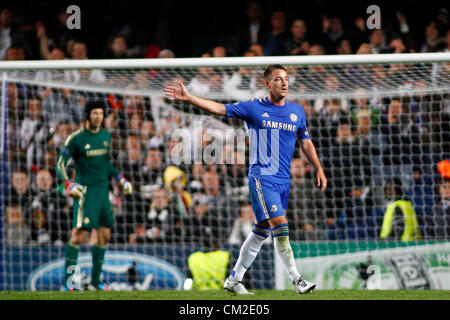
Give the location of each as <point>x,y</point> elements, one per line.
<point>378,42</point>
<point>148,137</point>
<point>400,220</point>
<point>243,80</point>
<point>274,45</point>
<point>328,120</point>
<point>219,52</point>
<point>447,41</point>
<point>344,47</point>
<point>258,49</point>
<point>95,76</point>
<point>217,199</point>
<point>235,175</point>
<point>33,132</point>
<point>11,36</point>
<point>62,105</point>
<point>333,33</point>
<point>331,84</point>
<point>159,224</point>
<point>341,159</point>
<point>118,49</point>
<point>208,265</point>
<point>298,43</point>
<point>50,212</point>
<point>201,225</point>
<point>131,165</point>
<point>59,35</point>
<point>360,101</point>
<point>43,76</point>
<point>21,192</point>
<point>175,182</point>
<point>422,192</point>
<point>308,218</point>
<point>61,132</point>
<point>434,37</point>
<point>398,134</point>
<point>17,232</point>
<point>355,219</point>
<point>405,34</point>
<point>200,83</point>
<point>437,224</point>
<point>243,225</point>
<point>364,137</point>
<point>254,29</point>
<point>152,172</point>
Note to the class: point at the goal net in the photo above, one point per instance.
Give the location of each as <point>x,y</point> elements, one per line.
<point>380,124</point>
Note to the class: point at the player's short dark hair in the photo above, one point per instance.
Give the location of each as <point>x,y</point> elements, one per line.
<point>270,69</point>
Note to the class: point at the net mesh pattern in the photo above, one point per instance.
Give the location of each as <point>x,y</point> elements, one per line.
<point>380,130</point>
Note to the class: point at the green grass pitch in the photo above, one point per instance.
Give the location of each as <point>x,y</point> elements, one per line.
<point>221,295</point>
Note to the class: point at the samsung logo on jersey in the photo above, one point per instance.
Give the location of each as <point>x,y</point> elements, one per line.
<point>154,273</point>
<point>96,152</point>
<point>278,125</point>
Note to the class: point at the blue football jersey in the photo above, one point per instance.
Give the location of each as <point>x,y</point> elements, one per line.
<point>273,132</point>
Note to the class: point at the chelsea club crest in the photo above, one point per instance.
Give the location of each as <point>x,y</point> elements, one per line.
<point>293,117</point>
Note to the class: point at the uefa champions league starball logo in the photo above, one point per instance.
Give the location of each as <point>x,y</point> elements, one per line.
<point>155,273</point>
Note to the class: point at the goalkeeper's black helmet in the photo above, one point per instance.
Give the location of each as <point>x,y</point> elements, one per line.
<point>93,104</point>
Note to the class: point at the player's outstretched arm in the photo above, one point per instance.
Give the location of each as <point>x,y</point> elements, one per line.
<point>181,93</point>
<point>310,151</point>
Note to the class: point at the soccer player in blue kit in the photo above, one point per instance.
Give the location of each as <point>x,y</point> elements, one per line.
<point>274,125</point>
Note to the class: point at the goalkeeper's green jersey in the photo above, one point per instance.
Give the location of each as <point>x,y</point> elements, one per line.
<point>90,153</point>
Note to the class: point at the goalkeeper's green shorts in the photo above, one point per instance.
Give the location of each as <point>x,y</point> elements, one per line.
<point>93,209</point>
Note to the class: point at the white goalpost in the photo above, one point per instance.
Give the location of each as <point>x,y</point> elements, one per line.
<point>380,123</point>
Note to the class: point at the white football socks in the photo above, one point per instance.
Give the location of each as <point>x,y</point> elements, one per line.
<point>249,251</point>
<point>253,243</point>
<point>284,251</point>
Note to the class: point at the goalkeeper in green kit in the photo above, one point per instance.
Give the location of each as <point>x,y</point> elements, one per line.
<point>89,149</point>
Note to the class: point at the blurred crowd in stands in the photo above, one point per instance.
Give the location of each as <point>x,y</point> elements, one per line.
<point>375,148</point>
<point>361,147</point>
<point>255,28</point>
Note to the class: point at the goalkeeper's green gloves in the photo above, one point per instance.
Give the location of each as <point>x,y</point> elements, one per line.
<point>127,188</point>
<point>75,190</point>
